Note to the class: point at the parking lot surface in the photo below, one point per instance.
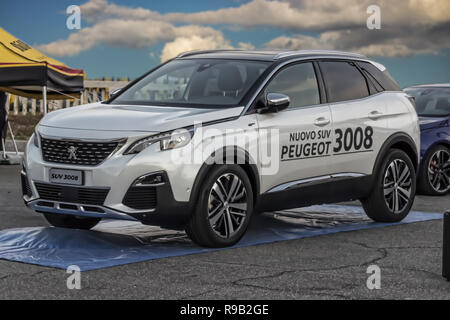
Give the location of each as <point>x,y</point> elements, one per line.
<point>324,267</point>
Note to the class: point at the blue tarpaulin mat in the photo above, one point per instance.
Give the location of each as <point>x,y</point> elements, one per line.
<point>114,243</point>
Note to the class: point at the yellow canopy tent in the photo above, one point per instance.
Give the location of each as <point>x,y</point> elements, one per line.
<point>26,72</point>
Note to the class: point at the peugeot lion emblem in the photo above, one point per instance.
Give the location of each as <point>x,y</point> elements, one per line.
<point>72,153</point>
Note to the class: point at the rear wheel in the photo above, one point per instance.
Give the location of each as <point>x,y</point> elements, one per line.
<point>394,190</point>
<point>71,222</point>
<point>434,177</point>
<point>224,208</point>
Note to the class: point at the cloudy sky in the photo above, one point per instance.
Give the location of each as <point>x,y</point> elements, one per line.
<point>125,38</point>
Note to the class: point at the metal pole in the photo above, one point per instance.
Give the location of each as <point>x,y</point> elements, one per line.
<point>9,124</point>
<point>1,138</point>
<point>446,247</point>
<point>4,149</point>
<point>12,137</point>
<point>44,98</point>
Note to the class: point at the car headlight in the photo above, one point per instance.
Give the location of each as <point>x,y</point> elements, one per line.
<point>36,139</point>
<point>167,141</point>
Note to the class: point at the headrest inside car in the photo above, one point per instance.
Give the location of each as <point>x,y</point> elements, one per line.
<point>442,104</point>
<point>230,79</point>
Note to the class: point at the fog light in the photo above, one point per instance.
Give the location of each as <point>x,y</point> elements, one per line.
<point>152,179</point>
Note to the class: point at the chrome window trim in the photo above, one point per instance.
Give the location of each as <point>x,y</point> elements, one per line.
<point>307,58</point>
<point>364,98</point>
<point>330,104</point>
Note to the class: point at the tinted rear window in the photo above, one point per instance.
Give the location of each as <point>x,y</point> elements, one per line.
<point>431,102</point>
<point>382,77</point>
<point>344,81</point>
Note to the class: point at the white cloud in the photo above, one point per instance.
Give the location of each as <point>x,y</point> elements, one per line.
<point>386,44</point>
<point>246,46</point>
<point>125,33</point>
<point>190,43</point>
<point>320,14</point>
<point>279,14</point>
<point>299,42</point>
<point>435,10</point>
<point>407,27</point>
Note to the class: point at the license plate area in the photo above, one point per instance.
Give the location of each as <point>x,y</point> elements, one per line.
<point>64,176</point>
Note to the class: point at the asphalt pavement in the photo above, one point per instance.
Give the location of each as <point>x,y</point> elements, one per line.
<point>324,267</point>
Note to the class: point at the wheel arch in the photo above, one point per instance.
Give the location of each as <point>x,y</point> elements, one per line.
<point>400,141</point>
<point>443,143</point>
<point>241,158</point>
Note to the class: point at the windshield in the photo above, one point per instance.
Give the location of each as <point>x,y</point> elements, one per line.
<point>431,102</point>
<point>201,83</point>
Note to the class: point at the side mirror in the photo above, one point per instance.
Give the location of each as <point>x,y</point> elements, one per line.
<point>116,91</point>
<point>273,102</point>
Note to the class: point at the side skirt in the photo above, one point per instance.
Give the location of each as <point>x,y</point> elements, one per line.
<point>329,191</point>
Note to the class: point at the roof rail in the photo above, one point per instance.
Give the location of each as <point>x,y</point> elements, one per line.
<point>321,52</point>
<point>194,52</point>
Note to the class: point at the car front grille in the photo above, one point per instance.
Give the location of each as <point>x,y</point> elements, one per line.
<point>86,153</point>
<point>140,198</point>
<point>82,195</point>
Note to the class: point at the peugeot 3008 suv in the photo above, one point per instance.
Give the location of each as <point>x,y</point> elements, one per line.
<point>206,139</point>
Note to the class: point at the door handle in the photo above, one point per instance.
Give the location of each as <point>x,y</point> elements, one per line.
<point>374,115</point>
<point>321,121</point>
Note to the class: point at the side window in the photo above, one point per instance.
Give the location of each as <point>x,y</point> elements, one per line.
<point>344,81</point>
<point>299,83</point>
<point>383,78</point>
<point>374,85</point>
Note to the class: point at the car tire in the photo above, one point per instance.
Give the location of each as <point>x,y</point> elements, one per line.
<point>432,172</point>
<point>224,208</point>
<point>394,189</point>
<point>71,222</point>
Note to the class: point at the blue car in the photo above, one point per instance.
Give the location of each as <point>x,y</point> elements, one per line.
<point>433,109</point>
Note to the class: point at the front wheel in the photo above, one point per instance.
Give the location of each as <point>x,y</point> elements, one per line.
<point>395,187</point>
<point>224,208</point>
<point>71,222</point>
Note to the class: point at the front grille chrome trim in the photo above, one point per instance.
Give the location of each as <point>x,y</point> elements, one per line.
<point>81,140</point>
<point>93,151</point>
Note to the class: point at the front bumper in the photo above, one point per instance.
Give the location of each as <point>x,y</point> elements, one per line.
<point>167,212</point>
<point>116,175</point>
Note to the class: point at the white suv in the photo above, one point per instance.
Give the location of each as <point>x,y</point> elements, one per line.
<point>206,139</point>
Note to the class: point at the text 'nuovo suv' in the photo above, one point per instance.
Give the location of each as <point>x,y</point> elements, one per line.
<point>209,138</point>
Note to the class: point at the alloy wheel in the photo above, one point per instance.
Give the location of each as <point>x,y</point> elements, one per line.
<point>227,205</point>
<point>397,186</point>
<point>439,171</point>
